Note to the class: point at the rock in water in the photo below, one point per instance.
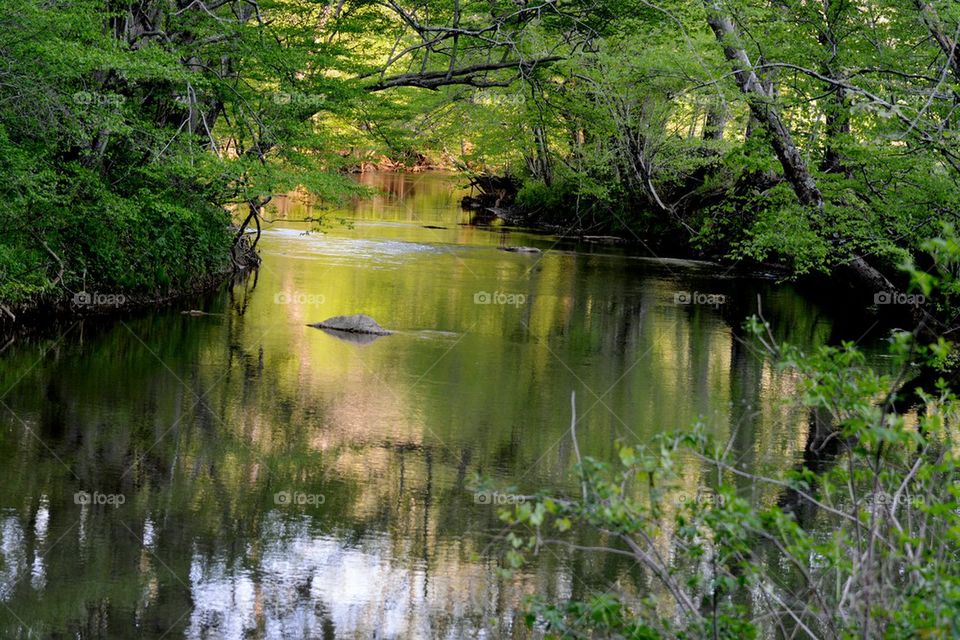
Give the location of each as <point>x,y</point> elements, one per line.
<point>358,323</point>
<point>521,249</point>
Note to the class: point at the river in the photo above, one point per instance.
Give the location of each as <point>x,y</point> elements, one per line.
<point>242,475</point>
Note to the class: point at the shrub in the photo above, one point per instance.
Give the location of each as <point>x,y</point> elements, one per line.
<point>864,543</point>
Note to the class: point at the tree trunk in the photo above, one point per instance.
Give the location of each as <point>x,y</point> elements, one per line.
<point>765,111</point>
<point>716,121</point>
<point>940,33</point>
<point>763,108</point>
<point>543,155</point>
<point>837,125</point>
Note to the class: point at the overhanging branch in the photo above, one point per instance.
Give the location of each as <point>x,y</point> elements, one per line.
<point>471,76</point>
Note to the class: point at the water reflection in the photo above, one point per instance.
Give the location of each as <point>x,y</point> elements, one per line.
<point>200,422</point>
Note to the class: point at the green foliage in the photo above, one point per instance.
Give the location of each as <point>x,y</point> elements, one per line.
<point>128,136</point>
<point>621,133</point>
<point>622,116</point>
<point>862,543</point>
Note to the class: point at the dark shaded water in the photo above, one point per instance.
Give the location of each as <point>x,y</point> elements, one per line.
<point>250,477</point>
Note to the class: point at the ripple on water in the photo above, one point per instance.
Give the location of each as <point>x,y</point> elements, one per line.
<point>340,250</point>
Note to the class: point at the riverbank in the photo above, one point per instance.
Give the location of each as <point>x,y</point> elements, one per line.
<point>697,232</point>
<point>495,205</point>
<point>94,301</point>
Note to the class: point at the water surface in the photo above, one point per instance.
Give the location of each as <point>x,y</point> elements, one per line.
<point>251,477</point>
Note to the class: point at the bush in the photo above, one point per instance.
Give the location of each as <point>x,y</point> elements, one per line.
<point>865,543</point>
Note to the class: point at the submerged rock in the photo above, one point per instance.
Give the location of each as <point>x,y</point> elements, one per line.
<point>521,249</point>
<point>604,239</point>
<point>358,323</point>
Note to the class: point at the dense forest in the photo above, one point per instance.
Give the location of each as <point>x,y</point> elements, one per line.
<point>144,147</point>
<point>818,136</point>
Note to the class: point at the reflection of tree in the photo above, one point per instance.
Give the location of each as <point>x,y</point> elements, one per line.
<point>388,434</point>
